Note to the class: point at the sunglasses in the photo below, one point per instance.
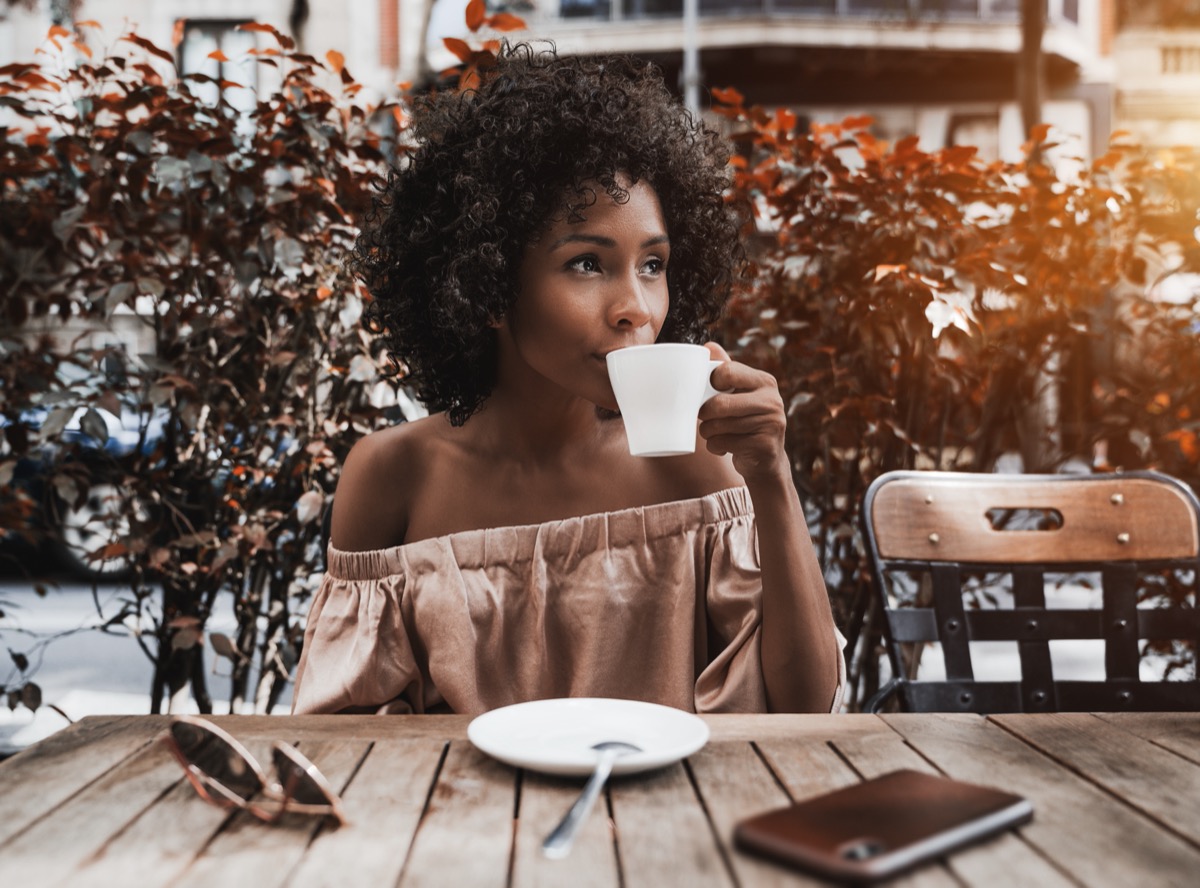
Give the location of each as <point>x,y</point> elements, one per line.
<point>225,774</point>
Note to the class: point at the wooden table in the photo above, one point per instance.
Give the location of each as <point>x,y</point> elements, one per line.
<point>1116,797</point>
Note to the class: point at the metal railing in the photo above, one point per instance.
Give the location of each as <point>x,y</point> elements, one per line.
<point>1000,11</point>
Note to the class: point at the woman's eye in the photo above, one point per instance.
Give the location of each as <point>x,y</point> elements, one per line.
<point>654,266</point>
<point>586,264</point>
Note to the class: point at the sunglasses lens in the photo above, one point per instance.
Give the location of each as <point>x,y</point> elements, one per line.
<point>295,779</point>
<point>216,758</point>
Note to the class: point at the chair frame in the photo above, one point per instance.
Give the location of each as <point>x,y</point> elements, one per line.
<point>1120,526</point>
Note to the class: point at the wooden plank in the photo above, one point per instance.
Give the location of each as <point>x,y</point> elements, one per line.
<point>593,857</point>
<point>59,842</point>
<point>809,767</point>
<point>1083,830</point>
<point>943,517</point>
<point>1161,784</point>
<point>249,852</point>
<point>39,779</point>
<point>157,846</point>
<point>306,728</point>
<point>663,835</point>
<point>1176,731</point>
<point>383,803</point>
<point>466,835</point>
<point>1004,860</point>
<point>735,783</point>
<point>768,726</point>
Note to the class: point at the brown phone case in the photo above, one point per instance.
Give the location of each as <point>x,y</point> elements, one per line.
<point>880,827</point>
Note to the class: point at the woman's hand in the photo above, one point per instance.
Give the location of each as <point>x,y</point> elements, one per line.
<point>747,419</point>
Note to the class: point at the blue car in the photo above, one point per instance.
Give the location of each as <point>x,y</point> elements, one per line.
<point>76,529</point>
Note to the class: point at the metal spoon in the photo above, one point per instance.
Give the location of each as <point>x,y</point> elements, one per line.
<point>558,843</point>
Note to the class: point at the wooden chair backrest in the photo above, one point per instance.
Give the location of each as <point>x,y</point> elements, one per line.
<point>950,527</point>
<point>943,516</point>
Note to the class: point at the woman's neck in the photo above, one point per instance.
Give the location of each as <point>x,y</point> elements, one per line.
<point>541,428</point>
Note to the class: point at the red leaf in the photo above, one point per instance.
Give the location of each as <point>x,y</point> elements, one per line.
<point>476,12</point>
<point>1039,132</point>
<point>150,47</point>
<point>285,41</point>
<point>459,47</point>
<point>729,96</point>
<point>504,21</point>
<point>957,155</point>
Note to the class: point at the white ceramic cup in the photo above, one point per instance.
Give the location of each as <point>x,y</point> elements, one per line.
<point>659,389</point>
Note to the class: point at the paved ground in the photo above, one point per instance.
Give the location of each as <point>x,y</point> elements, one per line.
<point>87,672</point>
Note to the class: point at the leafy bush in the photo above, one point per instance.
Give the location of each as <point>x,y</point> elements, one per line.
<point>927,310</point>
<point>920,309</point>
<point>223,235</point>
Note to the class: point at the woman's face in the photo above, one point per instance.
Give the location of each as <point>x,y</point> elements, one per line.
<point>588,287</point>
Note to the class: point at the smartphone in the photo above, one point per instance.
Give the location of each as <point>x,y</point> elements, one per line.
<point>883,826</point>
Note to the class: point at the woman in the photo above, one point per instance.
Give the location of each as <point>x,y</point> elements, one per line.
<point>508,547</point>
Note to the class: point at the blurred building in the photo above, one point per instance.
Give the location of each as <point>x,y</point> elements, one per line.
<point>945,70</point>
<point>1157,51</point>
<point>380,39</point>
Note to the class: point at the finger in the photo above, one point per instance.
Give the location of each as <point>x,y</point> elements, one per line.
<point>720,378</point>
<point>760,426</point>
<point>736,445</point>
<point>735,404</point>
<point>738,377</point>
<point>718,353</point>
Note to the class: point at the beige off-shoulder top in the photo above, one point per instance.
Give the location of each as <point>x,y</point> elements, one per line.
<point>660,603</point>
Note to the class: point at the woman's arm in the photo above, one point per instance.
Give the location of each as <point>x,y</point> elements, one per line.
<point>799,643</point>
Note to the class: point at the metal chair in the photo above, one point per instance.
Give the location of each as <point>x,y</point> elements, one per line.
<point>942,542</point>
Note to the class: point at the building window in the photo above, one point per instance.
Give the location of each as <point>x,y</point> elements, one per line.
<point>204,37</point>
<point>601,9</point>
<point>979,130</point>
<point>1181,59</point>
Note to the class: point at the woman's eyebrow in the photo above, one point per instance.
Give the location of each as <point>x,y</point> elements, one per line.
<point>602,241</point>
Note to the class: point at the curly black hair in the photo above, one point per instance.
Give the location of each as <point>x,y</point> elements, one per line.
<point>493,167</point>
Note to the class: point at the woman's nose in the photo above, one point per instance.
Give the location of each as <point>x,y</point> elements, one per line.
<point>629,307</point>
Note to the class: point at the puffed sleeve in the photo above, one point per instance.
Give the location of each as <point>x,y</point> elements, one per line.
<point>731,680</point>
<point>357,655</point>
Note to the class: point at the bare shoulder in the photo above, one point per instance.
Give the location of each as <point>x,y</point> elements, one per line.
<point>378,484</point>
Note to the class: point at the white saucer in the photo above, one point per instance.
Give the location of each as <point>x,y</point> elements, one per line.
<point>556,736</point>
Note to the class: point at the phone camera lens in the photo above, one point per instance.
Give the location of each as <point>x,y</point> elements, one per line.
<point>862,849</point>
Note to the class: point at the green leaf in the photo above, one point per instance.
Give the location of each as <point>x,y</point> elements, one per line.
<point>151,286</point>
<point>118,294</point>
<point>64,224</point>
<point>31,696</point>
<point>140,141</point>
<point>94,426</point>
<point>56,421</point>
<point>289,254</point>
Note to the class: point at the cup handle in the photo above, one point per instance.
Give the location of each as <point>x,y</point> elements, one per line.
<point>709,391</point>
